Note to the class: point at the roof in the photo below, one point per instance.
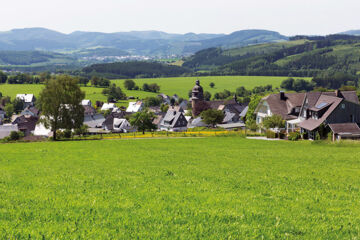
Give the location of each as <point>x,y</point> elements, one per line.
<point>350,96</point>
<point>107,106</point>
<point>283,107</point>
<point>333,102</point>
<point>94,121</point>
<point>345,128</point>
<point>34,110</point>
<point>231,125</point>
<point>228,117</point>
<point>89,110</point>
<point>109,121</point>
<point>171,118</point>
<point>159,118</point>
<point>197,122</point>
<point>27,123</point>
<point>244,111</point>
<point>134,106</point>
<point>28,98</point>
<point>86,102</point>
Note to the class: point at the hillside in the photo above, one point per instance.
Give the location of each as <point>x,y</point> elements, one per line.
<point>300,57</point>
<point>135,69</point>
<point>149,43</point>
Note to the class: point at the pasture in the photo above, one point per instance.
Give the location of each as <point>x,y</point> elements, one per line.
<point>169,86</point>
<point>189,188</point>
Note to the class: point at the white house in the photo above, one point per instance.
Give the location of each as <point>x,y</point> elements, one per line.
<point>28,99</point>
<point>108,106</point>
<point>135,107</point>
<point>86,102</point>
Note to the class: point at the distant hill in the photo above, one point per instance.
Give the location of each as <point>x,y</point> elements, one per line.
<point>352,32</point>
<point>149,43</point>
<point>301,57</point>
<point>135,69</point>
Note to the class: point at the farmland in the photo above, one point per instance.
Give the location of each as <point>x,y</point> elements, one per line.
<point>170,86</point>
<point>190,188</point>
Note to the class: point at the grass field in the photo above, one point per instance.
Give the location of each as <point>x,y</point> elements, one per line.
<point>169,86</point>
<point>191,188</point>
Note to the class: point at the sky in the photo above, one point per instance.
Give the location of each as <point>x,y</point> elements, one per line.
<point>289,17</point>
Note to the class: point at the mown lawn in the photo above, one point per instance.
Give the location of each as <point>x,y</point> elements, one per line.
<point>191,188</point>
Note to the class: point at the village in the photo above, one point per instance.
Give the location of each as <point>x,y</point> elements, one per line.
<point>305,115</point>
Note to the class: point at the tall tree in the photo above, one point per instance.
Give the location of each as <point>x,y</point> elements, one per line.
<point>61,104</point>
<point>143,120</point>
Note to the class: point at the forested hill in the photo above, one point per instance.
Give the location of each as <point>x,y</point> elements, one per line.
<point>145,43</point>
<point>135,70</point>
<point>303,56</point>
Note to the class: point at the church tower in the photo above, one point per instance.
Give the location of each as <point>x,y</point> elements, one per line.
<point>197,98</point>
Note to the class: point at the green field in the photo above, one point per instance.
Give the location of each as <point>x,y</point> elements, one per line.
<point>169,86</point>
<point>190,188</point>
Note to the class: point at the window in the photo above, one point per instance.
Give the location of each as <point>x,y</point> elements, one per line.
<point>343,106</point>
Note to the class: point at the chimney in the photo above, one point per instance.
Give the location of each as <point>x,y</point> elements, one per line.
<point>338,94</point>
<point>282,95</point>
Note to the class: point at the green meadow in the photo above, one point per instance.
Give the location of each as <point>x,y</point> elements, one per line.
<point>189,188</point>
<point>169,86</point>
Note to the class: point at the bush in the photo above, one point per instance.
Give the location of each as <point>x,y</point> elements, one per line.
<point>294,136</point>
<point>305,135</point>
<point>270,134</point>
<point>67,133</point>
<point>14,136</point>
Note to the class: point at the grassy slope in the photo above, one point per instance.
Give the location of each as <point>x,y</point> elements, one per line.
<point>170,86</point>
<point>262,48</point>
<point>181,85</point>
<point>209,188</point>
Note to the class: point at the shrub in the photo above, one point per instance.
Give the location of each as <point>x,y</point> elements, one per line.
<point>305,135</point>
<point>14,136</point>
<point>270,134</point>
<point>67,133</point>
<point>294,136</point>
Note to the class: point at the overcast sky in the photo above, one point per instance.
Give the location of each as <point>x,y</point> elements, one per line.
<point>289,17</point>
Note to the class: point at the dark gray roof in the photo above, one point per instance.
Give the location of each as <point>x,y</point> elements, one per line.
<point>171,118</point>
<point>345,128</point>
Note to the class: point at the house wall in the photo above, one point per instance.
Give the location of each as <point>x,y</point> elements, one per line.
<point>344,113</point>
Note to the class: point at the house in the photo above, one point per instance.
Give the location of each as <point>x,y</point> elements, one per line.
<point>29,99</point>
<point>184,104</point>
<point>26,124</point>
<point>287,105</point>
<point>89,110</point>
<point>30,111</point>
<point>94,121</point>
<point>165,98</point>
<point>323,109</point>
<point>158,119</point>
<point>197,122</point>
<point>135,107</point>
<point>175,97</point>
<point>108,124</point>
<point>108,107</point>
<point>121,125</point>
<point>174,121</point>
<point>6,129</point>
<point>86,102</point>
<point>344,131</point>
